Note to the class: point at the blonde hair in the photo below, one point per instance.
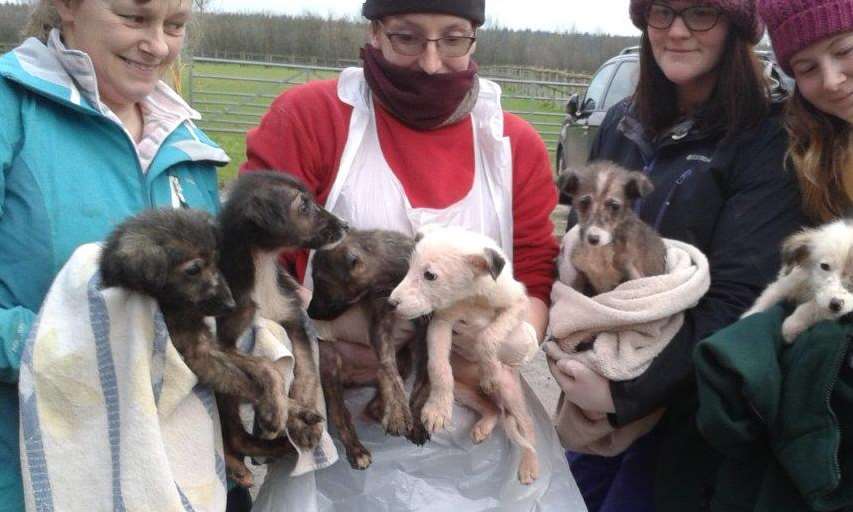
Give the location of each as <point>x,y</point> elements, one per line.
<point>44,17</point>
<point>42,20</point>
<point>821,151</point>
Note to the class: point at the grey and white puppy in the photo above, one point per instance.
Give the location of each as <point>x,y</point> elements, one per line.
<point>614,244</point>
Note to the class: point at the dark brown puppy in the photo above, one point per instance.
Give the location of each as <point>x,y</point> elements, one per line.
<point>171,255</point>
<point>265,214</point>
<point>615,245</point>
<point>357,276</point>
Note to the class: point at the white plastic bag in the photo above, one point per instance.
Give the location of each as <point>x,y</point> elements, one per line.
<point>449,473</point>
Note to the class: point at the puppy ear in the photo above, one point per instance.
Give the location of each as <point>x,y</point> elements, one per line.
<point>144,264</point>
<point>490,262</point>
<point>568,183</point>
<point>638,185</point>
<point>796,248</point>
<point>427,229</point>
<point>353,260</point>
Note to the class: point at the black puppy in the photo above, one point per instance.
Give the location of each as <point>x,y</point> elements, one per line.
<point>358,275</point>
<point>265,214</point>
<point>172,255</point>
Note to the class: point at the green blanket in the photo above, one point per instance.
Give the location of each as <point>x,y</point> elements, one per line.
<point>781,416</point>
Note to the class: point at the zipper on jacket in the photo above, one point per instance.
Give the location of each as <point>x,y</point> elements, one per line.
<point>177,193</point>
<point>837,363</point>
<point>680,180</point>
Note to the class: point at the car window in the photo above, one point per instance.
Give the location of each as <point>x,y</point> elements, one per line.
<point>623,84</point>
<point>595,91</point>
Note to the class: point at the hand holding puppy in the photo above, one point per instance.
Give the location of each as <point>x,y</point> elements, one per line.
<point>582,386</point>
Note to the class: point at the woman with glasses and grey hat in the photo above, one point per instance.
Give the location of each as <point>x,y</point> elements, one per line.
<point>415,137</point>
<point>704,126</point>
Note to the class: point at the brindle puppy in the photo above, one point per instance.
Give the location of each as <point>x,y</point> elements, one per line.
<point>171,255</point>
<point>352,283</point>
<point>267,213</point>
<point>615,245</point>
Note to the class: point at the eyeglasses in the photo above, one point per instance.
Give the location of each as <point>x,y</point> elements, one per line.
<point>698,18</point>
<point>412,45</point>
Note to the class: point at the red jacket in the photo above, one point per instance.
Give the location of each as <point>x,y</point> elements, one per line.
<point>305,130</point>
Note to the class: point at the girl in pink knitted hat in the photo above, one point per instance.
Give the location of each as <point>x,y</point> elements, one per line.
<point>705,126</point>
<point>813,41</point>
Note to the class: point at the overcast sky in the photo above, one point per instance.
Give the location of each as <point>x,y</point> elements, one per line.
<point>606,16</point>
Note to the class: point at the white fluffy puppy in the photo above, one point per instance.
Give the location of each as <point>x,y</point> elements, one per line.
<point>465,282</point>
<point>817,274</point>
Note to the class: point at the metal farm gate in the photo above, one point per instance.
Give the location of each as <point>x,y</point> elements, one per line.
<point>232,94</point>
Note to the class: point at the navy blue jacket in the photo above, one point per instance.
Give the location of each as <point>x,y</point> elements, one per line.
<point>733,199</point>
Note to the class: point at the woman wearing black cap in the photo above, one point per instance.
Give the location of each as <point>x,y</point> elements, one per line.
<point>417,137</point>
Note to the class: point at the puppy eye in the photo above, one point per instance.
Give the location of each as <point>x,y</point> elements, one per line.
<point>584,202</point>
<point>193,269</point>
<point>613,207</point>
<point>430,276</point>
<point>825,266</point>
<point>304,206</point>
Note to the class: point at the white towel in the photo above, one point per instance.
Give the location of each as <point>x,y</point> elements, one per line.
<point>111,417</point>
<point>632,323</point>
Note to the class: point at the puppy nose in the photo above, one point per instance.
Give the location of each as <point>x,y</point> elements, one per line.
<point>835,305</point>
<point>593,239</point>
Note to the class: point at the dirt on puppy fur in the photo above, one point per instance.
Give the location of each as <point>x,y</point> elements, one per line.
<point>465,282</point>
<point>267,213</point>
<point>352,282</point>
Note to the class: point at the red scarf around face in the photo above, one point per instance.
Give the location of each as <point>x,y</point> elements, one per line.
<point>421,100</point>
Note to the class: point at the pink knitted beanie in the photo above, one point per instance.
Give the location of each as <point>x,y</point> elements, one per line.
<point>796,24</point>
<point>741,13</point>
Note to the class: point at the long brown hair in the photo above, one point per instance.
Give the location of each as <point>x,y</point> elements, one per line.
<point>821,151</point>
<point>740,99</point>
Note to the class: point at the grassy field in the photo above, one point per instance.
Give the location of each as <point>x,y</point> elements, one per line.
<point>232,98</point>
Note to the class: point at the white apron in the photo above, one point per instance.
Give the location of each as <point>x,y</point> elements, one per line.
<point>449,473</point>
<point>367,194</point>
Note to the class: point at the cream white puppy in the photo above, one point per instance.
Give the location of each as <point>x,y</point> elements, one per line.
<point>817,275</point>
<point>465,282</point>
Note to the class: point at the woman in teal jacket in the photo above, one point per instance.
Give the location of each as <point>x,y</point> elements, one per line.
<point>88,136</point>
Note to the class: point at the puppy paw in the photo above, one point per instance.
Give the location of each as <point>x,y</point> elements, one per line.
<point>238,472</point>
<point>528,468</point>
<point>271,417</point>
<point>482,429</point>
<point>305,427</point>
<point>489,384</point>
<point>750,312</point>
<point>790,330</point>
<point>436,415</point>
<point>418,435</point>
<point>397,419</point>
<point>375,409</point>
<point>358,456</point>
